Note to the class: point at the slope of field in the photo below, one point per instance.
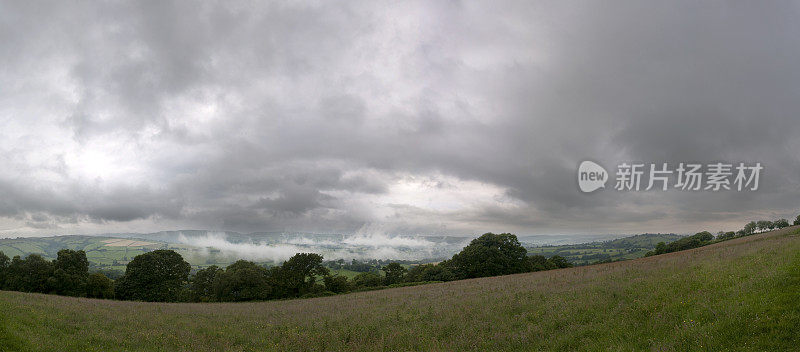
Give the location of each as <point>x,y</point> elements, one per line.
<point>742,294</point>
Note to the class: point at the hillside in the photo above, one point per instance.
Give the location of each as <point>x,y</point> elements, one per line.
<point>741,294</point>
<point>110,253</point>
<point>612,250</point>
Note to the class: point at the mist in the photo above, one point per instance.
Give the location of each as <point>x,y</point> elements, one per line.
<point>367,243</point>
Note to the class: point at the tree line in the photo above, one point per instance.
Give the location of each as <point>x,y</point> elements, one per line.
<point>164,276</point>
<point>705,238</point>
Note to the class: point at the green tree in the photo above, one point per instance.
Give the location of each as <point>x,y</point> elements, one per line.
<point>704,236</point>
<point>559,262</point>
<point>337,283</point>
<point>429,272</point>
<point>726,236</point>
<point>797,220</point>
<point>539,263</point>
<point>156,276</point>
<point>763,225</point>
<point>661,248</point>
<point>750,228</point>
<point>242,281</point>
<point>782,223</point>
<point>298,275</point>
<point>99,286</point>
<point>202,284</point>
<point>4,261</point>
<point>32,274</point>
<point>71,270</point>
<point>367,279</point>
<point>394,273</point>
<point>490,255</point>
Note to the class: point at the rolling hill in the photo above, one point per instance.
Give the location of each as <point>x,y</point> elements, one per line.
<point>611,250</point>
<point>201,248</point>
<point>742,294</point>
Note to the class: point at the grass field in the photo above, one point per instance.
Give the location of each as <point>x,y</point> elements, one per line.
<point>739,295</point>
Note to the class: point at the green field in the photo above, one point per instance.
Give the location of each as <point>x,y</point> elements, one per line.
<point>613,250</point>
<point>103,254</point>
<point>738,295</point>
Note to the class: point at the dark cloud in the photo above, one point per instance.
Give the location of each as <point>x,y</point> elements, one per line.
<point>442,117</point>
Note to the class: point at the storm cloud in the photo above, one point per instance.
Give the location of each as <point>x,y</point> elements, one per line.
<point>427,117</point>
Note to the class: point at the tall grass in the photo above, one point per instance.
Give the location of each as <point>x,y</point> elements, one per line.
<point>742,294</point>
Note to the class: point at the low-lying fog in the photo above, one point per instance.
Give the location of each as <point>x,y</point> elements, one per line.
<point>367,243</point>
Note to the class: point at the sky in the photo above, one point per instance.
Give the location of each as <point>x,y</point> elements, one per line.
<point>415,117</point>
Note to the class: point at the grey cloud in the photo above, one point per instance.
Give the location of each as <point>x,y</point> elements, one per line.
<point>255,117</point>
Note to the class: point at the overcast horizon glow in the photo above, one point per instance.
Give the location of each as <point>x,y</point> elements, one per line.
<point>421,117</point>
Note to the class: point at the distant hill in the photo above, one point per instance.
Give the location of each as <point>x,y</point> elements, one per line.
<point>108,252</point>
<point>102,251</point>
<point>611,250</point>
<point>203,248</point>
<point>729,296</point>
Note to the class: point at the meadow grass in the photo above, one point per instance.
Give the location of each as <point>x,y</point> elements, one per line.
<point>738,295</point>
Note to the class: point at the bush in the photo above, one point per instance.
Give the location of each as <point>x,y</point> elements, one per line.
<point>726,236</point>
<point>394,273</point>
<point>558,261</point>
<point>240,281</point>
<point>99,286</point>
<point>367,279</point>
<point>337,283</point>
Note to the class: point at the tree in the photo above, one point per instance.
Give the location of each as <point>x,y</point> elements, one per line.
<point>298,275</point>
<point>437,273</point>
<point>704,236</point>
<point>394,273</point>
<point>797,220</point>
<point>4,261</point>
<point>750,228</point>
<point>337,283</point>
<point>490,255</point>
<point>429,272</point>
<point>99,286</point>
<point>242,281</point>
<point>367,279</point>
<point>71,270</point>
<point>661,248</point>
<point>202,284</point>
<point>763,225</point>
<point>156,276</point>
<point>724,236</point>
<point>782,223</point>
<point>32,274</point>
<point>559,262</point>
<point>539,263</point>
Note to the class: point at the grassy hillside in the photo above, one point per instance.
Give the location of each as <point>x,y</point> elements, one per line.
<point>612,250</point>
<point>742,294</point>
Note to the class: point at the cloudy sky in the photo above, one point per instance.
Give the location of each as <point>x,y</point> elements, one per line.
<point>428,117</point>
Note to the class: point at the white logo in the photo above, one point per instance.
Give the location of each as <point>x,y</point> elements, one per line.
<point>591,176</point>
